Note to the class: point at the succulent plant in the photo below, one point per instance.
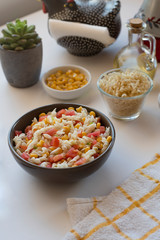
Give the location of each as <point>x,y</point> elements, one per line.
<point>19,36</point>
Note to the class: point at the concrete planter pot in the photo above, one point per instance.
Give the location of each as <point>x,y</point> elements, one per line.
<point>22,68</point>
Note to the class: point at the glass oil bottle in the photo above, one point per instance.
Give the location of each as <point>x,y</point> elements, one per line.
<point>140,51</point>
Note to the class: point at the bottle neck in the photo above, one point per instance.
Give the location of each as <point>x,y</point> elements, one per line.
<point>133,36</point>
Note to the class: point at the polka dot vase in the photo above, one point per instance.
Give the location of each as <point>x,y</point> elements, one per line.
<point>83,27</point>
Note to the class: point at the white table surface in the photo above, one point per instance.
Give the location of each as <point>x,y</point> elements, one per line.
<point>30,209</point>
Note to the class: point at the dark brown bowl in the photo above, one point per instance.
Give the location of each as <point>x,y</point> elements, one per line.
<point>59,174</point>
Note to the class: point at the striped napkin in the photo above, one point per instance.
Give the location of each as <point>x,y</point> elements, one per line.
<point>131,211</point>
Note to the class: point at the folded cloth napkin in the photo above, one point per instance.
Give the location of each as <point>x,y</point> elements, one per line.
<point>131,211</point>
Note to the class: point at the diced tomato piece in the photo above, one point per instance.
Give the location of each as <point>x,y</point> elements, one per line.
<point>76,146</point>
<point>70,113</point>
<point>42,118</point>
<point>89,135</point>
<point>50,159</point>
<point>79,133</point>
<point>17,133</point>
<point>102,129</point>
<point>80,161</point>
<point>29,134</point>
<point>94,134</point>
<point>28,128</point>
<point>51,132</point>
<point>55,142</point>
<point>56,158</point>
<point>72,153</point>
<point>96,155</point>
<point>23,147</point>
<point>59,113</point>
<point>25,156</point>
<point>30,150</point>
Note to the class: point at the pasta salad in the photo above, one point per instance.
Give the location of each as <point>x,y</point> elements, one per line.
<point>63,139</point>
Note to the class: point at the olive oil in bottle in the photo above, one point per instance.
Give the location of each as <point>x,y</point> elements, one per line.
<point>137,54</point>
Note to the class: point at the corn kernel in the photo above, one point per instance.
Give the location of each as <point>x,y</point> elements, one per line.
<point>86,149</point>
<point>83,119</point>
<point>79,109</point>
<point>33,155</point>
<point>84,134</point>
<point>77,125</point>
<point>33,124</point>
<point>42,114</point>
<point>53,86</point>
<point>109,139</point>
<point>99,139</point>
<point>46,120</point>
<point>77,71</point>
<point>92,114</point>
<point>40,143</point>
<point>101,146</point>
<point>65,137</point>
<point>46,153</point>
<point>66,129</point>
<point>98,125</point>
<point>52,148</point>
<point>71,108</point>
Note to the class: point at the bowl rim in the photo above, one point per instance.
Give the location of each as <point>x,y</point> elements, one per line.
<point>29,164</point>
<point>43,78</point>
<point>123,69</point>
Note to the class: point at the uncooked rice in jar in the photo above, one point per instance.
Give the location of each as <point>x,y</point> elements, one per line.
<point>128,83</point>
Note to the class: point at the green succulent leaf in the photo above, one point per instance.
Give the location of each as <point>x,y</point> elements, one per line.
<point>31,29</point>
<point>6,33</point>
<point>13,45</point>
<point>19,48</point>
<point>8,40</point>
<point>31,40</point>
<point>33,45</point>
<point>2,41</point>
<point>15,36</point>
<point>22,42</point>
<point>10,27</point>
<point>24,29</point>
<point>6,46</point>
<point>19,36</point>
<point>30,35</point>
<point>13,30</point>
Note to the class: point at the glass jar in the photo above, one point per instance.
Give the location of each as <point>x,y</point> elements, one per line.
<point>140,51</point>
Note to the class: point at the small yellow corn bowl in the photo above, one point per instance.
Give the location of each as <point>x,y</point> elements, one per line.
<point>63,87</point>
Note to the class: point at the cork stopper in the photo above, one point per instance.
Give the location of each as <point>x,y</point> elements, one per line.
<point>136,22</point>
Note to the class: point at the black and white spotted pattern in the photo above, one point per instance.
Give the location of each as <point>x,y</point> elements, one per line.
<point>81,46</point>
<point>94,14</point>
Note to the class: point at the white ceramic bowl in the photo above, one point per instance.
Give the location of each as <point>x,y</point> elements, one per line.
<point>66,95</point>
